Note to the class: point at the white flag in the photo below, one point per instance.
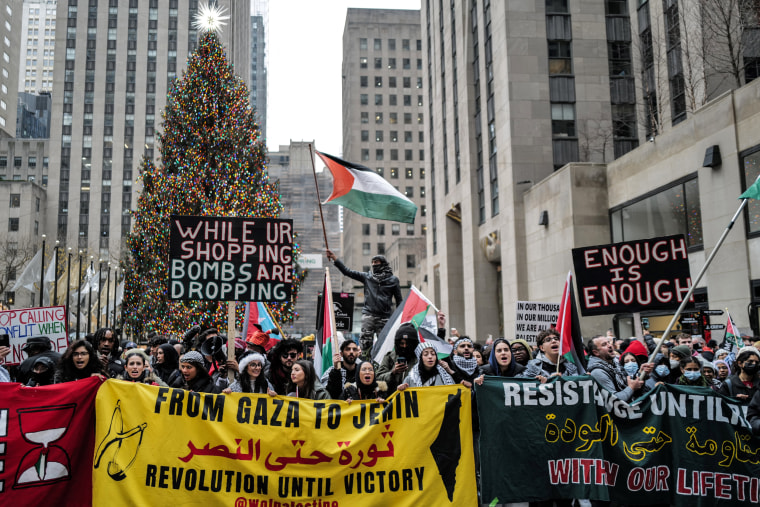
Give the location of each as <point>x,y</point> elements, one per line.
<point>31,273</point>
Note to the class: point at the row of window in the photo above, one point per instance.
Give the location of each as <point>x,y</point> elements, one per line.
<point>394,172</point>
<point>18,161</point>
<point>377,44</point>
<point>392,118</point>
<point>392,82</point>
<point>406,63</point>
<point>393,137</point>
<point>380,250</point>
<point>392,100</point>
<point>380,154</point>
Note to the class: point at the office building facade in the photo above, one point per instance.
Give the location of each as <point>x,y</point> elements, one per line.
<point>384,105</point>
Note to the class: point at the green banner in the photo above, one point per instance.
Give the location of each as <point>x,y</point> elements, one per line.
<point>571,438</point>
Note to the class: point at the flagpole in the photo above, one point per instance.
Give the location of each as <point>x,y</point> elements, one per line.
<point>42,269</point>
<point>695,282</point>
<point>329,300</point>
<point>319,199</point>
<point>565,295</point>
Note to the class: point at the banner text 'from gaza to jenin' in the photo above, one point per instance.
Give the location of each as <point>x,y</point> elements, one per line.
<point>677,445</point>
<point>416,449</point>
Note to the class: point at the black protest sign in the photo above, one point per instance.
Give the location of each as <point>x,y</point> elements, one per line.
<point>230,259</point>
<point>632,276</point>
<point>343,303</point>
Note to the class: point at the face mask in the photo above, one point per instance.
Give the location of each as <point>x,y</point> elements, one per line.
<point>631,368</point>
<point>750,369</point>
<point>662,371</point>
<point>674,363</point>
<point>692,375</point>
<point>377,269</point>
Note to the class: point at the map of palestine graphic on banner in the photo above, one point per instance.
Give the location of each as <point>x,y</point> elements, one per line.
<point>677,445</point>
<point>161,446</point>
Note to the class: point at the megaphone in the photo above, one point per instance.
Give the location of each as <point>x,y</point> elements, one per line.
<point>216,348</point>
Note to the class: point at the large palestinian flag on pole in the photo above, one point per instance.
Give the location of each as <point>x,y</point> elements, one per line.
<point>327,336</point>
<point>568,325</point>
<point>365,192</point>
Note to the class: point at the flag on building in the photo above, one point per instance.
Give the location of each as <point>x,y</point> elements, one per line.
<point>327,336</point>
<point>753,192</point>
<point>414,309</point>
<point>31,273</point>
<point>365,192</point>
<point>569,327</point>
<point>733,335</point>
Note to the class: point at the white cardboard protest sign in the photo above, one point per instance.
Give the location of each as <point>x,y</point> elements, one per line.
<point>532,317</point>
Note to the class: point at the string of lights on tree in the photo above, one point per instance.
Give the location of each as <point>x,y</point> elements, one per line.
<point>213,163</point>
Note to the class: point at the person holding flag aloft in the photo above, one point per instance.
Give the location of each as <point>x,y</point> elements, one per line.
<point>545,364</point>
<point>381,287</point>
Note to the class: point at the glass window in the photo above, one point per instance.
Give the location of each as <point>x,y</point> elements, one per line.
<point>364,99</point>
<point>363,62</point>
<point>379,154</point>
<point>394,173</point>
<point>378,81</point>
<point>407,100</point>
<point>407,136</point>
<point>380,171</point>
<point>378,63</point>
<point>411,262</point>
<point>365,135</point>
<point>365,154</point>
<point>363,81</point>
<point>410,229</point>
<point>405,44</point>
<point>751,170</point>
<point>379,136</point>
<point>393,118</point>
<point>557,6</point>
<point>381,229</point>
<point>15,200</point>
<point>392,82</point>
<point>395,229</point>
<point>391,63</point>
<point>392,100</point>
<point>363,43</point>
<point>392,44</point>
<point>407,118</point>
<point>409,192</point>
<point>365,117</point>
<point>559,57</point>
<point>672,210</point>
<point>394,136</point>
<point>407,63</point>
<point>394,154</point>
<point>365,229</point>
<point>408,154</point>
<point>381,249</point>
<point>409,173</point>
<point>407,82</point>
<point>13,224</point>
<point>378,118</point>
<point>378,99</point>
<point>378,44</point>
<point>366,249</point>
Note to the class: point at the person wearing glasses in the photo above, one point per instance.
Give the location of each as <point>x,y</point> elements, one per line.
<point>545,363</point>
<point>282,358</point>
<point>252,378</point>
<point>745,381</point>
<point>78,362</point>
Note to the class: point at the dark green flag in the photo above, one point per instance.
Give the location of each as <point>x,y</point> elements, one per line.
<point>571,438</point>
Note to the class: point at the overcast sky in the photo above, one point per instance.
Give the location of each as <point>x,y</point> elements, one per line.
<point>305,55</point>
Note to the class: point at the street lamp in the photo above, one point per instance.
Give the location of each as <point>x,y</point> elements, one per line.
<point>89,294</point>
<point>55,278</point>
<point>108,292</point>
<point>79,295</point>
<point>68,291</point>
<point>42,269</point>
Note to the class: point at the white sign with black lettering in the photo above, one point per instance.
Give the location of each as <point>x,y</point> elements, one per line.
<point>532,317</point>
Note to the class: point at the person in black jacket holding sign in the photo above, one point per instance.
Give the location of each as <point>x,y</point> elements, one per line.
<point>381,287</point>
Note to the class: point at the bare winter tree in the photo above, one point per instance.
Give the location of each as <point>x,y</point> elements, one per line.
<point>595,138</point>
<point>14,256</point>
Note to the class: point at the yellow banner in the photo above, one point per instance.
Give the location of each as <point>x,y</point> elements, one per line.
<point>161,446</point>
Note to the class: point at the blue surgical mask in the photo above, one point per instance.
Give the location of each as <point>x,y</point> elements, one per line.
<point>692,375</point>
<point>631,368</point>
<point>662,371</point>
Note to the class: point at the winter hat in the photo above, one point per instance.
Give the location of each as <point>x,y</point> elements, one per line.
<point>193,357</point>
<point>637,349</point>
<point>246,359</point>
<point>721,361</point>
<point>682,351</point>
<point>258,337</point>
<point>137,352</point>
<point>422,346</point>
<point>711,366</point>
<point>746,351</point>
<point>720,351</point>
<point>524,344</point>
<point>39,341</point>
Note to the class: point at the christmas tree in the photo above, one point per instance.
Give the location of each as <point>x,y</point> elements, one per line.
<point>213,163</point>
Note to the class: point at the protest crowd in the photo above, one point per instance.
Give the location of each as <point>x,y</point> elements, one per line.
<point>271,365</point>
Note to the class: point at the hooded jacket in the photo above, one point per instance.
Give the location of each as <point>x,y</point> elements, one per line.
<point>379,290</point>
<point>385,370</point>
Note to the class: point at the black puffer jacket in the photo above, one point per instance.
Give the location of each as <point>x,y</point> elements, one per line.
<point>378,293</point>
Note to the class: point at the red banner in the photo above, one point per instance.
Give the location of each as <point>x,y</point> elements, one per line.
<point>47,443</point>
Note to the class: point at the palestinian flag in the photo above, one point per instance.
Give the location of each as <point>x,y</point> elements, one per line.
<point>327,337</point>
<point>365,192</point>
<point>414,309</point>
<point>753,192</point>
<point>732,333</point>
<point>569,327</point>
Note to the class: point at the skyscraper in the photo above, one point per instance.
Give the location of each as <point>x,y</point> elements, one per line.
<point>515,92</point>
<point>10,27</point>
<point>258,87</point>
<point>114,65</point>
<point>384,105</point>
<point>37,46</point>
